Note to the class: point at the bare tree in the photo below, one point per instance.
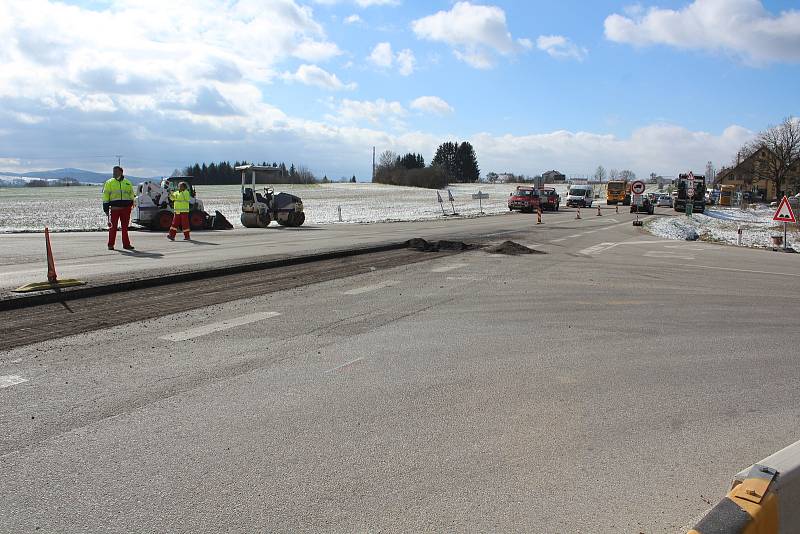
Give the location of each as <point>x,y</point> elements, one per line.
<point>627,175</point>
<point>711,173</point>
<point>600,174</point>
<point>387,159</point>
<point>613,174</point>
<point>782,158</point>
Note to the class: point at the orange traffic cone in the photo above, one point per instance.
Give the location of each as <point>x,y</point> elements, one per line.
<point>539,216</point>
<point>598,211</point>
<point>52,278</point>
<point>578,216</point>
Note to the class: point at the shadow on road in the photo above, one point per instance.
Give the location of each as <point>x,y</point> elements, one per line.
<point>140,254</point>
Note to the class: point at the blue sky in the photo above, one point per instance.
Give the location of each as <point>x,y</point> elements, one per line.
<point>658,86</point>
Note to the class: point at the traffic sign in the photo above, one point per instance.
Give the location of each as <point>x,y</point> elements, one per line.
<point>480,195</point>
<point>784,213</point>
<point>637,187</point>
<point>690,192</point>
<point>638,199</point>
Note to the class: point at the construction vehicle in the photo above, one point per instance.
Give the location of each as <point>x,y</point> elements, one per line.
<point>726,195</point>
<point>690,188</point>
<point>153,207</point>
<point>618,191</point>
<point>259,210</point>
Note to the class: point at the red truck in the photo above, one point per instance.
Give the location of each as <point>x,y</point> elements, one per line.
<point>524,199</point>
<point>549,199</point>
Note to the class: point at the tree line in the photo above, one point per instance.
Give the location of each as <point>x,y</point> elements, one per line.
<point>453,162</point>
<point>224,172</point>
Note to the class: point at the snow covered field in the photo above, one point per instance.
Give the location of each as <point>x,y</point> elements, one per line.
<point>80,208</point>
<point>720,225</point>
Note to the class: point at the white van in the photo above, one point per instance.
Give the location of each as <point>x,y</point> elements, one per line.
<point>580,196</point>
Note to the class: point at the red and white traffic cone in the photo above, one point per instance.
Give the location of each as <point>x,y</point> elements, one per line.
<point>539,216</point>
<point>617,207</point>
<point>578,216</point>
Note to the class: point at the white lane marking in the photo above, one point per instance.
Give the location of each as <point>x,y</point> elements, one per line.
<point>574,236</point>
<point>738,270</point>
<point>445,268</point>
<point>18,360</point>
<point>558,240</point>
<point>219,326</point>
<point>375,287</point>
<point>11,380</point>
<point>596,249</point>
<point>345,364</point>
<point>464,278</point>
<point>666,255</point>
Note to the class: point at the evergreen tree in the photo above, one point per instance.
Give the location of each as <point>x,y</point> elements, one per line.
<point>467,169</point>
<point>445,158</point>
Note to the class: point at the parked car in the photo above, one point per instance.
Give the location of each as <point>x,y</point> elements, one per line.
<point>664,201</point>
<point>524,199</point>
<point>580,196</point>
<point>549,199</point>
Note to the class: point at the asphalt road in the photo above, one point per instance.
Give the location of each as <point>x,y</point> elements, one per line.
<point>615,383</point>
<point>83,255</point>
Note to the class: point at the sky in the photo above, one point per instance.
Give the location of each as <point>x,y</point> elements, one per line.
<point>656,86</point>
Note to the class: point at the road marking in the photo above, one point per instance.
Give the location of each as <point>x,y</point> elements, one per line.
<point>663,254</point>
<point>738,270</point>
<point>219,326</point>
<point>367,289</point>
<point>464,278</point>
<point>558,240</point>
<point>346,364</point>
<point>596,249</point>
<point>11,380</point>
<point>574,236</point>
<point>446,268</point>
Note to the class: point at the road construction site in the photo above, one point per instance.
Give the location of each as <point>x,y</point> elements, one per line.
<point>614,382</point>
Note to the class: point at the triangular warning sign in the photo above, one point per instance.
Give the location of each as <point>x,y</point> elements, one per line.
<point>784,213</point>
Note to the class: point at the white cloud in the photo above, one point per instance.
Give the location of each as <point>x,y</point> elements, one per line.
<point>743,28</point>
<point>475,32</point>
<point>353,19</point>
<point>405,62</point>
<point>316,51</point>
<point>382,56</point>
<point>660,148</point>
<point>560,47</point>
<point>432,104</point>
<point>318,77</point>
<point>360,3</point>
<point>373,111</point>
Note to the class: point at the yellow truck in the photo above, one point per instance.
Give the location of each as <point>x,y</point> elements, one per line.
<point>618,191</point>
<point>726,195</point>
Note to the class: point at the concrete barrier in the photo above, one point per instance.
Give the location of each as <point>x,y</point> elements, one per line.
<point>764,498</point>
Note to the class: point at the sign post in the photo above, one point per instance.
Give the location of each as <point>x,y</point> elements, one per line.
<point>441,205</point>
<point>450,197</point>
<point>785,215</point>
<point>479,196</point>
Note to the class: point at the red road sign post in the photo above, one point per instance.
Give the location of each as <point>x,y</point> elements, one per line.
<point>785,215</point>
<point>637,187</point>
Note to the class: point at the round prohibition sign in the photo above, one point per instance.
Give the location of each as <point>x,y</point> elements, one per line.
<point>637,187</point>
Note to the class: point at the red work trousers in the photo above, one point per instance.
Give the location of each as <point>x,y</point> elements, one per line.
<point>182,220</point>
<point>120,216</point>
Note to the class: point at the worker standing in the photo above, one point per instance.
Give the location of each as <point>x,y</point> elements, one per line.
<point>180,203</point>
<point>118,200</point>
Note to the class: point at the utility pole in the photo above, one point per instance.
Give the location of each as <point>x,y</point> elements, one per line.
<point>119,159</point>
<point>373,163</point>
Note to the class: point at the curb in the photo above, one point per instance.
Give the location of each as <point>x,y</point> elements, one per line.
<point>15,303</point>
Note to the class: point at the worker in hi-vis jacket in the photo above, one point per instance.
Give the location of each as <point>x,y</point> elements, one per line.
<point>180,203</point>
<point>118,200</point>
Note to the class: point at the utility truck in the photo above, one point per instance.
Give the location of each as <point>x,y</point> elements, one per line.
<point>690,188</point>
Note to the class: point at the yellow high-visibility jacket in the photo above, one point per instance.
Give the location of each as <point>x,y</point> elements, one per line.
<point>180,201</point>
<point>118,193</point>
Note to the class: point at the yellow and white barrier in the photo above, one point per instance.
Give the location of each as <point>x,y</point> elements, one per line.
<point>765,498</point>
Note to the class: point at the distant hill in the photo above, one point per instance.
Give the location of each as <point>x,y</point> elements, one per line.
<point>81,175</point>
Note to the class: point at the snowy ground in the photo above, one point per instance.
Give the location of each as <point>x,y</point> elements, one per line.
<point>80,208</point>
<point>720,225</point>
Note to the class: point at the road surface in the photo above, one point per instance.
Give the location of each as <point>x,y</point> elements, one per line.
<point>614,384</point>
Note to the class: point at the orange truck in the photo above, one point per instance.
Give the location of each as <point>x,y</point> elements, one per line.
<point>618,192</point>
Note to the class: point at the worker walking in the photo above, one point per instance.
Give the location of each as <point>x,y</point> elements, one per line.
<point>180,203</point>
<point>118,200</point>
